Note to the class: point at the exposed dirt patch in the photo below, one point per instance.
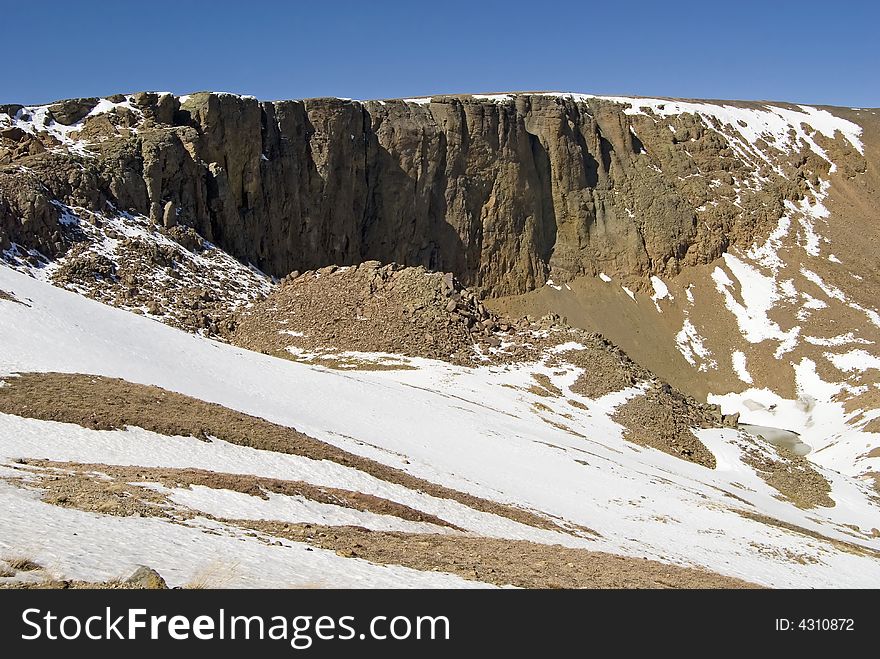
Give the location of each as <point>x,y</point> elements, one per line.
<point>544,387</point>
<point>842,545</point>
<point>408,311</point>
<point>663,420</point>
<point>103,403</point>
<point>22,564</point>
<point>82,488</point>
<point>606,368</point>
<point>369,308</point>
<point>784,555</point>
<point>792,476</point>
<point>502,562</point>
<point>346,362</point>
<point>62,584</point>
<point>9,297</point>
<point>116,481</point>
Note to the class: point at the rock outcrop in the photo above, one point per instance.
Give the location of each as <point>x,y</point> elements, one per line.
<point>505,191</point>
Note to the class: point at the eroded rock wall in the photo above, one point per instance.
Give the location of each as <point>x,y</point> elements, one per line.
<point>504,193</point>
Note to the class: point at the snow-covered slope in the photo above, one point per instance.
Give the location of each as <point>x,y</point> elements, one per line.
<point>783,328</point>
<point>475,430</point>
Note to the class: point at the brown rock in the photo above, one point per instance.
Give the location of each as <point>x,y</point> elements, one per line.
<point>70,111</point>
<point>147,578</point>
<point>13,133</point>
<point>169,215</point>
<point>300,184</point>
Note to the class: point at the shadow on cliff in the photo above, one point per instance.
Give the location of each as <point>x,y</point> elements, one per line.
<point>405,217</point>
<point>547,225</point>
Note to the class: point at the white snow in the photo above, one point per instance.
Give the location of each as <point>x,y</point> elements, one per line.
<point>629,292</point>
<point>831,291</point>
<point>71,544</point>
<point>767,254</point>
<point>816,414</point>
<point>495,98</point>
<point>835,293</point>
<point>839,340</point>
<point>872,314</point>
<point>661,292</point>
<point>739,366</point>
<point>483,438</point>
<point>604,277</point>
<point>249,280</point>
<point>690,345</point>
<point>855,360</point>
<point>758,293</point>
<point>38,119</point>
<point>782,127</point>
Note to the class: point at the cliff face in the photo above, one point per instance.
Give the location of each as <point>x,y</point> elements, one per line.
<point>505,191</point>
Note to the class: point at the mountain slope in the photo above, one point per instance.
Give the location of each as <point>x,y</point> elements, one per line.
<point>485,440</point>
<point>389,417</point>
<point>783,331</point>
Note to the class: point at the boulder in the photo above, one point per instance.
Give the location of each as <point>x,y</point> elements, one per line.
<point>72,110</point>
<point>169,215</point>
<point>147,578</point>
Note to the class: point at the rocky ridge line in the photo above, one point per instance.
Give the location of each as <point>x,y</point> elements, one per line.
<point>505,192</point>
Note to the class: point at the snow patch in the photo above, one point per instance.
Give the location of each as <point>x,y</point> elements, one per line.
<point>855,360</point>
<point>759,294</point>
<point>739,366</point>
<point>839,340</point>
<point>690,345</point>
<point>661,291</point>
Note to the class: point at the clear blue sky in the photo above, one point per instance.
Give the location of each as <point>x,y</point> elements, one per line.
<point>807,51</point>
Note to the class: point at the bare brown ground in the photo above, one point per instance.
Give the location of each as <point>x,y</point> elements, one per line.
<point>103,403</point>
<point>842,545</point>
<point>647,337</point>
<point>544,386</point>
<point>793,477</point>
<point>9,297</point>
<point>605,371</point>
<point>501,562</point>
<point>68,487</point>
<point>663,425</point>
<point>96,487</point>
<point>103,489</point>
<point>63,584</point>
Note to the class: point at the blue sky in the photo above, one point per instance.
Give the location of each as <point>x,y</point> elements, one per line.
<point>815,52</point>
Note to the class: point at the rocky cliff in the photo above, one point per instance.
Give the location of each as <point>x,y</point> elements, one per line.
<point>506,191</point>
